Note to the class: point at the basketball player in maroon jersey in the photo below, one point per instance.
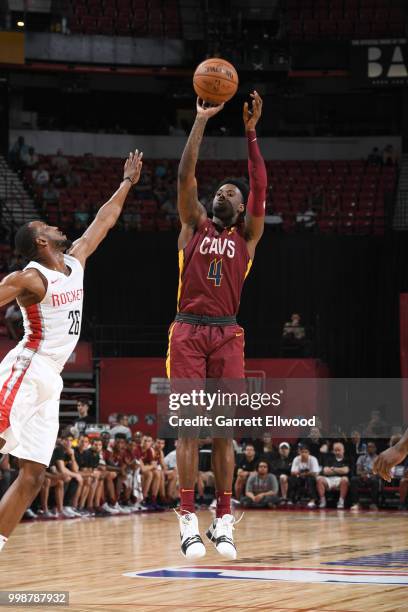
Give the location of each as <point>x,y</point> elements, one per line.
<point>215,256</point>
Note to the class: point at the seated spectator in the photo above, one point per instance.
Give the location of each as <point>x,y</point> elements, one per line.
<point>13,320</point>
<point>17,153</point>
<point>293,330</point>
<point>30,159</point>
<point>317,445</point>
<point>122,427</point>
<point>89,163</point>
<point>366,478</point>
<point>50,194</point>
<point>121,458</point>
<point>63,459</point>
<point>305,468</point>
<point>41,176</point>
<point>389,156</point>
<point>268,450</point>
<point>81,214</point>
<point>281,467</point>
<point>169,207</point>
<point>60,162</point>
<point>84,419</point>
<point>355,447</point>
<point>170,461</point>
<point>376,425</point>
<point>335,476</point>
<point>149,471</point>
<point>261,489</point>
<point>374,158</point>
<point>246,465</point>
<point>168,484</point>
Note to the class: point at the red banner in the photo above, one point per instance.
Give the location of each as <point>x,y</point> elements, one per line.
<point>131,385</point>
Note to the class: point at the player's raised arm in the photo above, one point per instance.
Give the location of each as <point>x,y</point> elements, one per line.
<point>191,212</point>
<point>255,210</point>
<point>109,213</point>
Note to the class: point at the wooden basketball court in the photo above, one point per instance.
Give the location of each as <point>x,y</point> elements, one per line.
<point>294,552</point>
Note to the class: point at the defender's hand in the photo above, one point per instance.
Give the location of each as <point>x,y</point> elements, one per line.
<point>386,461</point>
<point>133,167</point>
<point>252,116</point>
<point>205,110</point>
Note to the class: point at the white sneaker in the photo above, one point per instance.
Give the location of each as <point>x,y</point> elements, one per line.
<point>355,507</point>
<point>67,512</point>
<point>311,504</point>
<point>192,546</point>
<point>213,504</point>
<point>74,513</point>
<point>322,503</point>
<point>340,504</point>
<point>220,534</point>
<point>111,510</point>
<point>121,509</point>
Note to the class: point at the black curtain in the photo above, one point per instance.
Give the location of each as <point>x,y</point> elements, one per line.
<point>345,287</point>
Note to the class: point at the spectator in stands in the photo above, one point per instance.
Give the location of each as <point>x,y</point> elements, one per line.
<point>148,468</point>
<point>53,480</point>
<point>13,320</point>
<point>161,169</point>
<point>317,445</point>
<point>50,194</point>
<point>261,489</point>
<point>170,461</point>
<point>106,486</point>
<point>168,484</point>
<point>268,451</point>
<point>81,214</point>
<point>7,474</point>
<point>355,447</point>
<point>41,176</point>
<point>170,209</point>
<point>374,158</point>
<point>365,478</point>
<point>30,159</point>
<point>84,419</point>
<point>122,427</point>
<point>281,467</point>
<point>72,179</point>
<point>246,466</point>
<point>316,201</point>
<point>17,153</point>
<point>89,163</point>
<point>293,329</point>
<point>304,471</point>
<point>60,163</point>
<point>389,156</point>
<point>376,425</point>
<point>335,476</point>
<point>65,462</point>
<point>402,489</point>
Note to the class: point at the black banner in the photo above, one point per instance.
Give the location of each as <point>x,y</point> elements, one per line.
<point>379,63</point>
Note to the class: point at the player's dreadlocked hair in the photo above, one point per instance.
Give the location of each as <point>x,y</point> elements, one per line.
<point>25,241</point>
<point>240,183</point>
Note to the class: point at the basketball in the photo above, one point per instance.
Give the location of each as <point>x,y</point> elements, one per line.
<point>215,81</point>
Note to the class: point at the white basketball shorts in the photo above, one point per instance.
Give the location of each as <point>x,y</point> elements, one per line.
<point>30,389</point>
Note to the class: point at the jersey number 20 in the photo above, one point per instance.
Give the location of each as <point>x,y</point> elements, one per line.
<point>75,317</point>
<point>215,272</point>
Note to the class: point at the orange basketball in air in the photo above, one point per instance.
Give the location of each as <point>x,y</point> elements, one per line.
<point>215,80</point>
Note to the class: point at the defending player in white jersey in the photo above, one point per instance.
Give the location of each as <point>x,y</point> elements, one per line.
<point>49,292</point>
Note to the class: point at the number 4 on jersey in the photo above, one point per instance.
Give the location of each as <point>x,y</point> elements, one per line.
<point>215,272</point>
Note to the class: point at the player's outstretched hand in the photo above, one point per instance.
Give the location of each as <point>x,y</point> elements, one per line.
<point>133,166</point>
<point>386,460</point>
<point>251,116</point>
<point>204,109</point>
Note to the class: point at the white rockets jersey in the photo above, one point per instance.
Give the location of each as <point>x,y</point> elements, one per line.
<point>52,327</point>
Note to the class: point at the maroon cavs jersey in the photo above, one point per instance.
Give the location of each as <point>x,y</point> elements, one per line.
<point>213,267</point>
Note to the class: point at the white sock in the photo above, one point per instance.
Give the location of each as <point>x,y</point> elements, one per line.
<point>3,540</point>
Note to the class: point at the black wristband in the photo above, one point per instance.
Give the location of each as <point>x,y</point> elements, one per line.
<point>127,178</point>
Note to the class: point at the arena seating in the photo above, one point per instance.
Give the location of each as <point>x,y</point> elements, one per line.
<point>152,18</point>
<point>353,201</point>
<point>345,19</point>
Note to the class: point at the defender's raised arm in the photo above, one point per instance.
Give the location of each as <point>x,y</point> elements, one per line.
<point>109,213</point>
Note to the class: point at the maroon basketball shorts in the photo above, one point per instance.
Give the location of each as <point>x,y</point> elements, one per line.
<point>205,351</point>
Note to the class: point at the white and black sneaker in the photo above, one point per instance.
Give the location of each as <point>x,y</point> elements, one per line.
<point>220,534</point>
<point>192,545</point>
